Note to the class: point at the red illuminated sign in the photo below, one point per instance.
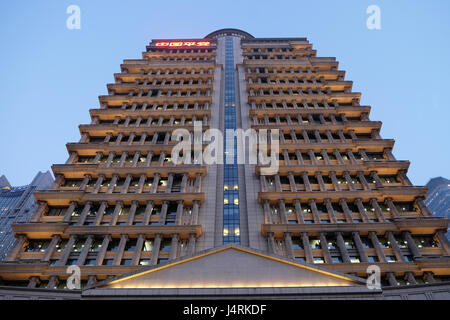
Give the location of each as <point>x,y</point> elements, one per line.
<point>183,44</point>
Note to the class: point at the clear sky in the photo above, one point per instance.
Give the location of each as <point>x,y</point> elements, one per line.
<point>51,76</point>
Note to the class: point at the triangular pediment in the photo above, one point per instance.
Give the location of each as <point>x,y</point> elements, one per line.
<point>231,266</point>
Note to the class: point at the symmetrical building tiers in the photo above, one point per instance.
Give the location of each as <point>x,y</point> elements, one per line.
<point>340,198</point>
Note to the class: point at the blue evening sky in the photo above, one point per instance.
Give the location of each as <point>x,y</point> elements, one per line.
<point>51,76</point>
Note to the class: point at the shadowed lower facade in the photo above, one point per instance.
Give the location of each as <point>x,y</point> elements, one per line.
<point>122,211</point>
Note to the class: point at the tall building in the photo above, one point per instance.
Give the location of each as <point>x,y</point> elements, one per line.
<point>17,204</point>
<point>139,224</point>
<point>438,197</point>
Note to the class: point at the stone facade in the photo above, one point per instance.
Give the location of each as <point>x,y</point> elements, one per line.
<point>340,199</point>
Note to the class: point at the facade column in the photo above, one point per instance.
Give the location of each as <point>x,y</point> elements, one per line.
<point>51,248</point>
<point>43,206</point>
<point>336,185</point>
<point>429,277</point>
<point>179,216</point>
<point>424,211</point>
<point>306,182</point>
<point>342,248</point>
<point>325,250</point>
<point>191,244</point>
<point>378,211</point>
<point>350,183</point>
<point>100,213</point>
<point>155,182</point>
<point>140,186</point>
<point>156,247</point>
<point>270,242</point>
<point>391,279</point>
<point>131,214</point>
<point>346,210</point>
<point>312,204</point>
<point>283,215</point>
<point>174,247</point>
<point>84,213</point>
<point>85,251</point>
<point>195,212</point>
<point>363,180</point>
<point>138,251</point>
<point>404,178</point>
<point>67,250</point>
<point>14,252</point>
<point>321,182</point>
<point>116,212</point>
<point>411,244</point>
<point>376,244</point>
<point>267,212</point>
<point>85,182</point>
<point>119,254</point>
<point>330,210</point>
<point>69,211</point>
<point>377,180</point>
<point>392,207</point>
<point>148,213</point>
<point>307,248</point>
<point>163,214</point>
<point>52,282</point>
<point>410,278</point>
<point>98,183</point>
<point>298,211</point>
<point>291,182</point>
<point>359,246</point>
<point>101,254</point>
<point>362,210</point>
<point>33,282</point>
<point>395,247</point>
<point>289,247</point>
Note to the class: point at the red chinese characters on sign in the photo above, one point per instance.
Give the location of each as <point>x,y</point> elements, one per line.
<point>183,44</point>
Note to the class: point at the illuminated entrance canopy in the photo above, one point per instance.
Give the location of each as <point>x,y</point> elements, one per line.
<point>183,44</point>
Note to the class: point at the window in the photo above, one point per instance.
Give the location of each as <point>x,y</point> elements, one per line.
<point>114,245</point>
<point>425,241</point>
<point>131,245</point>
<point>144,262</point>
<point>36,245</point>
<point>297,243</point>
<point>126,262</point>
<point>56,211</point>
<point>71,262</point>
<point>108,262</point>
<point>391,259</point>
<point>336,259</point>
<point>354,260</point>
<point>148,245</point>
<point>315,243</point>
<point>89,262</point>
<point>96,245</point>
<point>318,260</point>
<point>166,245</point>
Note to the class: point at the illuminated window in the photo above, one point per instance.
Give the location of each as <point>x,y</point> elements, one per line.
<point>319,260</point>
<point>354,260</point>
<point>225,232</point>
